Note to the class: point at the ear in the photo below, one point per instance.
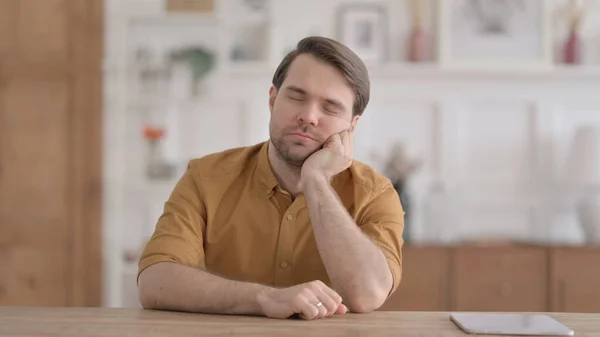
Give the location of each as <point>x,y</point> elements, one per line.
<point>354,121</point>
<point>272,95</point>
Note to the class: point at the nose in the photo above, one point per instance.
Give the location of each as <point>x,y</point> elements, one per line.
<point>309,114</point>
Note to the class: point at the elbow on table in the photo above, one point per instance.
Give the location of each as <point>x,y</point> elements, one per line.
<point>147,295</point>
<point>367,301</point>
<point>148,301</point>
<point>146,298</point>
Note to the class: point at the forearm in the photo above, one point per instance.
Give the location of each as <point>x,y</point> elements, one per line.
<point>170,286</point>
<point>356,266</point>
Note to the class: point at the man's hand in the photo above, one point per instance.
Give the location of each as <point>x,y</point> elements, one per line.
<point>335,156</point>
<point>310,300</point>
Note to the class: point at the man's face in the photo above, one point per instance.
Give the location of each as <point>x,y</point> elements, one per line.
<point>314,102</point>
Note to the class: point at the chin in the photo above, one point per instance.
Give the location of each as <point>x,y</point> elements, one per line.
<point>296,157</point>
<point>303,150</point>
<point>293,151</point>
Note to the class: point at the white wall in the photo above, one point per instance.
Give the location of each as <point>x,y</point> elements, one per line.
<point>493,143</point>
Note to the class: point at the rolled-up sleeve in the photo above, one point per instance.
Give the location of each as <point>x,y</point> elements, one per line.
<point>382,220</point>
<point>179,232</point>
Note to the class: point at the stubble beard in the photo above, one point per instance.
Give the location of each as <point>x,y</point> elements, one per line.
<point>284,152</point>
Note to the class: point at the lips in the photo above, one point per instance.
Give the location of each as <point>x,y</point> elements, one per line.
<point>301,135</point>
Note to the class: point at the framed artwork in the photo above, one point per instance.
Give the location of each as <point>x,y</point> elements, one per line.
<point>190,6</point>
<point>363,27</point>
<point>495,34</point>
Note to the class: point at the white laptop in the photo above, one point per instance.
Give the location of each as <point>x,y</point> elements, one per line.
<point>510,324</point>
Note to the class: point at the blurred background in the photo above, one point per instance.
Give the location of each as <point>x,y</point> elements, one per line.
<point>485,114</point>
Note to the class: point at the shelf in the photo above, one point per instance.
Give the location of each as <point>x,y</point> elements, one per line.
<point>248,69</point>
<point>402,71</point>
<point>558,72</point>
<point>176,20</point>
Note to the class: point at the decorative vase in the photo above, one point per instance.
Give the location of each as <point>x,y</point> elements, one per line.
<point>405,200</point>
<point>416,45</point>
<point>572,49</point>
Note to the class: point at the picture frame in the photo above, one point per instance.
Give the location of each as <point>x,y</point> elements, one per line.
<point>363,27</point>
<point>190,6</point>
<point>495,35</point>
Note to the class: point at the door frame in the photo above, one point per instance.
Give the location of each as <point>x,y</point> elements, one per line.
<point>87,53</point>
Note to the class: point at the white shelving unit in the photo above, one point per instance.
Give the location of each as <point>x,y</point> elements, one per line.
<point>133,202</point>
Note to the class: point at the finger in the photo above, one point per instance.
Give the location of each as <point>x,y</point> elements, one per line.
<point>336,138</point>
<point>322,301</point>
<point>306,308</point>
<point>314,305</point>
<point>337,299</point>
<point>345,141</point>
<point>341,309</point>
<point>334,142</point>
<point>314,311</point>
<point>329,303</point>
<point>351,143</point>
<point>323,312</point>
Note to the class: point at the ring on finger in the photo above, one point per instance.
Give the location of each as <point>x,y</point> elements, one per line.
<point>320,304</point>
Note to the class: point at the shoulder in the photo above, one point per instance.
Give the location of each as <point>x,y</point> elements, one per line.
<point>369,179</point>
<point>371,194</point>
<point>226,162</point>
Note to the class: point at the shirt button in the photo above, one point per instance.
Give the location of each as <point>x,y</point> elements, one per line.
<point>284,265</point>
<point>289,217</point>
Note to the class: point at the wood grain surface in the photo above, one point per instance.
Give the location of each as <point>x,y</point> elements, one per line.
<point>108,322</point>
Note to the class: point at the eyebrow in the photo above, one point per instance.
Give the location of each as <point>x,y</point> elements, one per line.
<point>331,101</point>
<point>296,89</point>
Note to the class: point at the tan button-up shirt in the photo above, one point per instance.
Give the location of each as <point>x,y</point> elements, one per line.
<point>229,216</point>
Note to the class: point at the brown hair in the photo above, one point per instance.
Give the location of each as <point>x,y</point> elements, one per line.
<point>337,55</point>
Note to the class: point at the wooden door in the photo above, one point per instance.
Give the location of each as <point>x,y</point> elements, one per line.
<point>500,278</point>
<point>575,275</point>
<point>425,284</point>
<point>50,150</point>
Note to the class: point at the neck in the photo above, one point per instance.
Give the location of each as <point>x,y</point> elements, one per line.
<point>287,175</point>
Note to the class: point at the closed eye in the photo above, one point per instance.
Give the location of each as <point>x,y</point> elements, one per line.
<point>295,93</point>
<point>332,109</point>
<point>333,106</point>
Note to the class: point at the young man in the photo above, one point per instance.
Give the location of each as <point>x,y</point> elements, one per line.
<point>289,226</point>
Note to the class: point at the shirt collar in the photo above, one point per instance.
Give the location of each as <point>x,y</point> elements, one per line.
<point>264,169</point>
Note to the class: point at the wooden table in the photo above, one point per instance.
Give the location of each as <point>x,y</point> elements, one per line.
<point>107,322</point>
